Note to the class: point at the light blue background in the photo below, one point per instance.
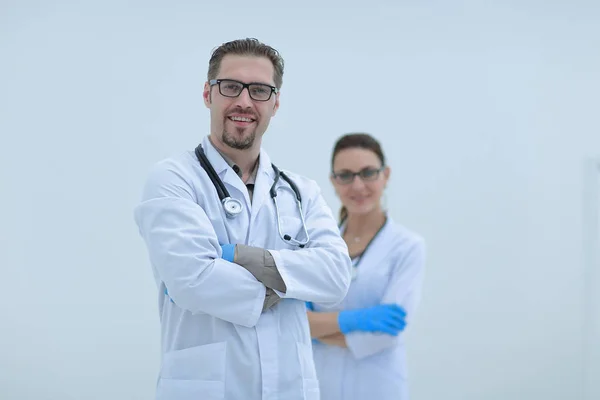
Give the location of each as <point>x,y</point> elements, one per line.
<point>488,111</point>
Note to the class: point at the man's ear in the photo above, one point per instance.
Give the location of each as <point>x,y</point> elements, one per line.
<point>206,95</point>
<point>276,105</point>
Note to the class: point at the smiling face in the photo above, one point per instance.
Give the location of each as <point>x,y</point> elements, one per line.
<point>238,122</point>
<point>362,194</point>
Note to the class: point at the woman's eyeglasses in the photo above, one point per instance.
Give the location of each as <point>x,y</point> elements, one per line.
<point>368,174</point>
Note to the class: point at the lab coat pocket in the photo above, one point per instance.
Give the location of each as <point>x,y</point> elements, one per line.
<point>311,389</point>
<point>309,374</point>
<point>193,372</point>
<point>180,389</point>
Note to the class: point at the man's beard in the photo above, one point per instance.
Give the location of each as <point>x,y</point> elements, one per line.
<point>243,143</point>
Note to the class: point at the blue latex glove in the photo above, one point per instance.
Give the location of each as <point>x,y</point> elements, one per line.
<point>228,252</point>
<point>384,318</point>
<point>167,293</point>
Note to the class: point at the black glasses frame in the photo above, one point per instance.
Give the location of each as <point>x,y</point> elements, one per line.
<point>359,174</point>
<point>273,89</point>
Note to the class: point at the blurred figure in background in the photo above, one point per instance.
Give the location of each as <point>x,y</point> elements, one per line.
<point>358,345</point>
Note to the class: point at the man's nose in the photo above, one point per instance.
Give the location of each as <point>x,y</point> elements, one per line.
<point>244,100</point>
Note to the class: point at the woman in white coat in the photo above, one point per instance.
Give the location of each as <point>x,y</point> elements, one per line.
<point>358,345</point>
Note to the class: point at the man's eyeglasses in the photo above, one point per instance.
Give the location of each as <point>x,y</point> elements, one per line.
<point>346,177</point>
<point>233,88</point>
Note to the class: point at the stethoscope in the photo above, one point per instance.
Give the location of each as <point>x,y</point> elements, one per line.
<point>357,259</point>
<point>233,207</point>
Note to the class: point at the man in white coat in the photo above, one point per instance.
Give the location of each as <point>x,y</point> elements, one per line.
<point>232,291</point>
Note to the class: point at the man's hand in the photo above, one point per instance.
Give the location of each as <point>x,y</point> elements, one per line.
<point>261,265</point>
<point>228,252</point>
<point>271,298</point>
<point>257,261</point>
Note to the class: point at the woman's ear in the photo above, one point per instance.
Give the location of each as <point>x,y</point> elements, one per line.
<point>386,173</point>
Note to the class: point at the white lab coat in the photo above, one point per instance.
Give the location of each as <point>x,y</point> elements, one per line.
<point>216,343</point>
<point>373,366</point>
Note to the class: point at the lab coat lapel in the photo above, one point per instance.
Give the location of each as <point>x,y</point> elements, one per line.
<point>233,182</point>
<point>262,185</point>
<point>379,249</point>
<point>225,173</point>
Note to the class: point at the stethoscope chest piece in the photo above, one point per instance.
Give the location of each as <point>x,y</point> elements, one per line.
<point>232,207</point>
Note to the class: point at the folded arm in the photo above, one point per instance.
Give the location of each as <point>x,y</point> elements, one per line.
<point>323,324</point>
<point>337,339</point>
<point>319,272</point>
<point>260,263</point>
<point>404,290</point>
<point>186,254</point>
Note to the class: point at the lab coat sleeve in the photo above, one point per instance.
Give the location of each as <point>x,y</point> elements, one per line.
<point>185,252</point>
<point>404,289</point>
<point>321,271</point>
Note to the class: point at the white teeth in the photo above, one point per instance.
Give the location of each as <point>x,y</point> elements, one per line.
<point>241,119</point>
